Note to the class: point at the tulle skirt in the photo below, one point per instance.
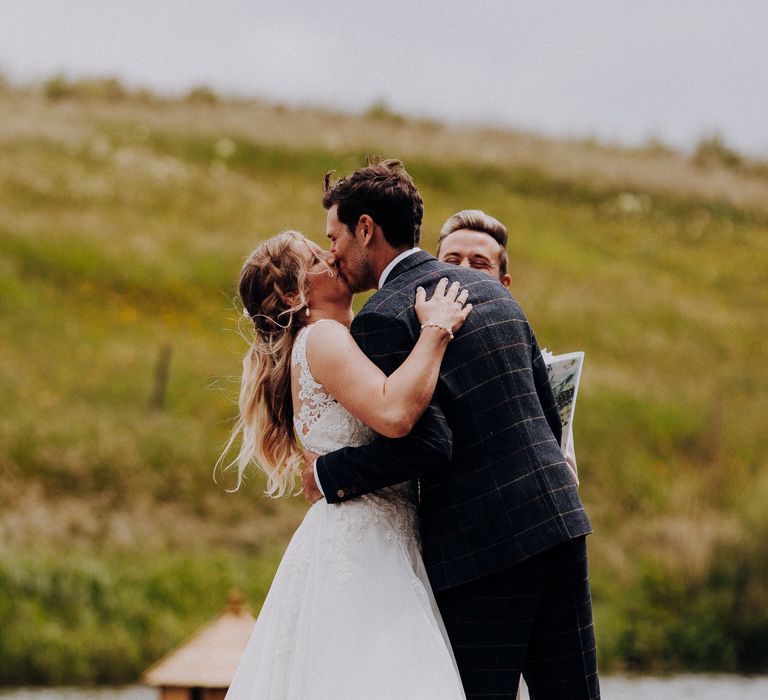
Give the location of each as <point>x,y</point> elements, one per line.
<point>350,614</point>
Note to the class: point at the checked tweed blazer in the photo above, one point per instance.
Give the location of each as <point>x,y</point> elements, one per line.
<point>494,488</point>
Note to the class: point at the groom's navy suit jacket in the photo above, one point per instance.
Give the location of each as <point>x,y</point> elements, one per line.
<point>494,488</point>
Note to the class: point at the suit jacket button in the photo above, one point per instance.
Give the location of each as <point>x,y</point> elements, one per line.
<point>340,493</point>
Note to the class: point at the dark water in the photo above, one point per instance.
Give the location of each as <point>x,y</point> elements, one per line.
<point>697,687</point>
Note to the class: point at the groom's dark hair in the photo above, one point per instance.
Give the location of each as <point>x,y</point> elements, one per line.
<point>384,191</point>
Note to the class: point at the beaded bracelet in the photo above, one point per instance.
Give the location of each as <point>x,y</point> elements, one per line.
<point>438,325</point>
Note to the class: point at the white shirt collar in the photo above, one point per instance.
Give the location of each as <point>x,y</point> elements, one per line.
<point>388,268</point>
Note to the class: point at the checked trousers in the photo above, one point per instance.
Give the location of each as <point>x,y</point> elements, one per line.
<point>534,618</point>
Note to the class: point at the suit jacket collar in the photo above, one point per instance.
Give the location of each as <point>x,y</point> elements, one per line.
<point>408,263</point>
<point>393,263</point>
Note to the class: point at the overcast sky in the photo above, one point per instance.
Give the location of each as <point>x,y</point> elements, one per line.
<point>619,70</point>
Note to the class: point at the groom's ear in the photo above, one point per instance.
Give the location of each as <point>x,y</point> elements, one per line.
<point>365,229</point>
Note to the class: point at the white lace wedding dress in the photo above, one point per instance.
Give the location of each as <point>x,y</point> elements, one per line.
<point>350,614</point>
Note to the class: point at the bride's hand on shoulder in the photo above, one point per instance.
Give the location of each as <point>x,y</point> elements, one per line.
<point>448,307</point>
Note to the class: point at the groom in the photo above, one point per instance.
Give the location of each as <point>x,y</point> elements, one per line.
<point>502,527</point>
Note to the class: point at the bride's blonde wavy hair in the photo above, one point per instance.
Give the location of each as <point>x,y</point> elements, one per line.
<point>272,288</point>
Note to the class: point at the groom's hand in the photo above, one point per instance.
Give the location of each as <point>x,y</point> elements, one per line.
<point>308,484</point>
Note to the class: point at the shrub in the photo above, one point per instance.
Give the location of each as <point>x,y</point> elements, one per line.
<point>381,111</point>
<point>202,95</point>
<point>60,88</point>
<point>713,151</point>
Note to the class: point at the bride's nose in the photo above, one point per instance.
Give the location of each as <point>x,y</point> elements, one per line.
<point>330,261</point>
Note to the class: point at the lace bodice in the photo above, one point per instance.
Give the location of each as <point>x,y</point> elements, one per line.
<point>322,423</point>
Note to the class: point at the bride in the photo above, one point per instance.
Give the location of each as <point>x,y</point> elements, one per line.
<point>350,613</point>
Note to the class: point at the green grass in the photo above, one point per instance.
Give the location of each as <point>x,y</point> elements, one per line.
<point>104,619</point>
<point>124,224</point>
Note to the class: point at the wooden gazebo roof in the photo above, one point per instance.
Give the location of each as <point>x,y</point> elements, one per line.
<point>209,658</point>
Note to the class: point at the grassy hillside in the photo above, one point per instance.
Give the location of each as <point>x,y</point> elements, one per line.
<point>123,222</point>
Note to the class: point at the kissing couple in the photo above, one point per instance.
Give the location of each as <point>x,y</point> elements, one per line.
<point>444,554</point>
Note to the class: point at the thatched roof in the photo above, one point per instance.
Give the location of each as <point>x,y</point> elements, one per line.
<point>209,658</point>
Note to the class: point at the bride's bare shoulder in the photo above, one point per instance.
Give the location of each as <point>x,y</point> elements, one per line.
<point>327,343</point>
<point>327,329</point>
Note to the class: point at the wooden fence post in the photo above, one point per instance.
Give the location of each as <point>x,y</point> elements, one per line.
<point>162,372</point>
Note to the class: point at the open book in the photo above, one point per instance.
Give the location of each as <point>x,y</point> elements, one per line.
<point>564,375</point>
